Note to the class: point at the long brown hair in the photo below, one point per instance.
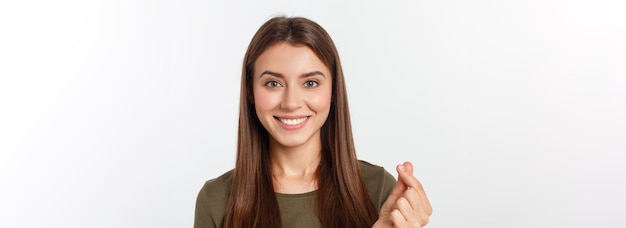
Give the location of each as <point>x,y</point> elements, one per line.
<point>342,199</point>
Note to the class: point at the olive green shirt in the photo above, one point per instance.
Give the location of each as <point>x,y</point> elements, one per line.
<point>296,210</point>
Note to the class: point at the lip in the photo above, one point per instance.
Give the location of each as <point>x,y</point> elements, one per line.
<point>292,127</point>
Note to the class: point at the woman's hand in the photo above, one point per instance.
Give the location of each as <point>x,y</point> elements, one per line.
<point>407,206</point>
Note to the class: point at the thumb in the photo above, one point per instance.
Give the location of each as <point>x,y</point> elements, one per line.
<point>408,167</point>
<point>396,193</point>
<point>405,173</point>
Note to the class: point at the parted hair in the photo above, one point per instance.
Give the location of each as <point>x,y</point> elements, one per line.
<point>342,199</point>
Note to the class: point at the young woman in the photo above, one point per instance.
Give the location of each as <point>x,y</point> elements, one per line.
<point>296,164</point>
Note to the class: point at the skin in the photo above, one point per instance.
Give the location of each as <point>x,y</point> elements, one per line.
<point>291,82</point>
<point>407,205</point>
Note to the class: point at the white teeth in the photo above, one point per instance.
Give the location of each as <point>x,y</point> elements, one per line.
<point>292,121</point>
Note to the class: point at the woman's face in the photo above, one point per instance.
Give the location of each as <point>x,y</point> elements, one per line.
<point>292,94</point>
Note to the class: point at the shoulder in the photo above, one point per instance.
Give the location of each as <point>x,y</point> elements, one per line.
<point>219,185</point>
<point>211,201</point>
<point>378,182</point>
<point>375,173</point>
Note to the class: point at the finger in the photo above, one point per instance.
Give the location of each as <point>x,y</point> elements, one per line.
<point>401,184</point>
<point>413,199</point>
<point>396,193</point>
<point>405,175</point>
<point>409,213</point>
<point>408,166</point>
<point>420,213</point>
<point>398,219</point>
<point>389,204</point>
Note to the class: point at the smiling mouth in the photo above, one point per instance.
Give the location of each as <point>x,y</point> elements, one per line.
<point>292,122</point>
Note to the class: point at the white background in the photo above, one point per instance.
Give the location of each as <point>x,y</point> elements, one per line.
<point>114,113</point>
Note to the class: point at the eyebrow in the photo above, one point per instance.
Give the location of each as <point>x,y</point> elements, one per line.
<point>279,75</point>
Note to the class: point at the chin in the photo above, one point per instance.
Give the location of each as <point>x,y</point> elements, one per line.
<point>290,142</point>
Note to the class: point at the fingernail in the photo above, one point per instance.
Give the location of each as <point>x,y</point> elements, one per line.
<point>401,167</point>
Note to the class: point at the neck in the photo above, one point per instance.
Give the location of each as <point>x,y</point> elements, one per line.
<point>294,168</point>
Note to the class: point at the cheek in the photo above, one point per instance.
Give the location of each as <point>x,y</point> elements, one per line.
<point>263,101</point>
<point>321,101</point>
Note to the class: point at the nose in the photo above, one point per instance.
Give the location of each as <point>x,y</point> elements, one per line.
<point>292,99</point>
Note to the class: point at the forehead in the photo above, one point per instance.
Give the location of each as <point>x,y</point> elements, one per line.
<point>289,59</point>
